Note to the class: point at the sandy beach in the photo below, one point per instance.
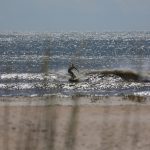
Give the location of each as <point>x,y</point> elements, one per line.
<point>28,123</point>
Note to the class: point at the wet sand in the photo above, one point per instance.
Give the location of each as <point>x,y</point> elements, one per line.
<point>56,124</point>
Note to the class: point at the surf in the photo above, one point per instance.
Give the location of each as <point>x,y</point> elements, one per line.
<point>127,75</point>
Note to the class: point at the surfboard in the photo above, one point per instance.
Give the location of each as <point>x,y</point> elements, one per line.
<point>76,73</point>
<point>74,80</point>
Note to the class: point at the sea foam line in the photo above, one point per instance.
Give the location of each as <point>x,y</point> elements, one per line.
<point>30,76</point>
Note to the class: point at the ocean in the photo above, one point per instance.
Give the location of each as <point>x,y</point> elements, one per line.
<point>109,63</point>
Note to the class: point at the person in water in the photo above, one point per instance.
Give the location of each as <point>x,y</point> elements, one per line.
<point>73,76</point>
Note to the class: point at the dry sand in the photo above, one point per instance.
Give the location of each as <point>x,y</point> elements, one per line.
<point>93,126</point>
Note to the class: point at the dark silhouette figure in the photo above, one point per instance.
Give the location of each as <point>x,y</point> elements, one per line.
<point>73,76</point>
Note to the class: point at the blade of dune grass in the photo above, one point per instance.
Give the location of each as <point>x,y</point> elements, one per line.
<point>70,138</point>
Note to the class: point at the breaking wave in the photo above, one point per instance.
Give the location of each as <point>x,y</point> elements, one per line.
<point>100,82</point>
<point>126,75</point>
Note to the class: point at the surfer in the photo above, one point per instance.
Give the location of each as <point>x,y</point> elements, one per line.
<point>71,67</point>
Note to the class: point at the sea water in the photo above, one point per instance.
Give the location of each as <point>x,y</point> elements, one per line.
<point>109,63</point>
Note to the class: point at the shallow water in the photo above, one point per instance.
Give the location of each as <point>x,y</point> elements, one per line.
<point>110,64</point>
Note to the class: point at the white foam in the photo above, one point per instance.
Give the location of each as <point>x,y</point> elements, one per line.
<point>143,93</point>
<point>17,86</point>
<point>28,76</point>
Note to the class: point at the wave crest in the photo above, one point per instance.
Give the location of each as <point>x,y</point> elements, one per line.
<point>127,75</point>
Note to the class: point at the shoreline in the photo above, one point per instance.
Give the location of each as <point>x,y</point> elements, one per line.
<point>75,100</point>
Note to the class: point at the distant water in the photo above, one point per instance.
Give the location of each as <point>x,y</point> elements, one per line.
<point>35,64</point>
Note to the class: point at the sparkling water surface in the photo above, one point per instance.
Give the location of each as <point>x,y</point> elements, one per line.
<point>109,63</point>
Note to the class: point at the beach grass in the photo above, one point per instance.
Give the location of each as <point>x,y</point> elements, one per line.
<point>27,124</point>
